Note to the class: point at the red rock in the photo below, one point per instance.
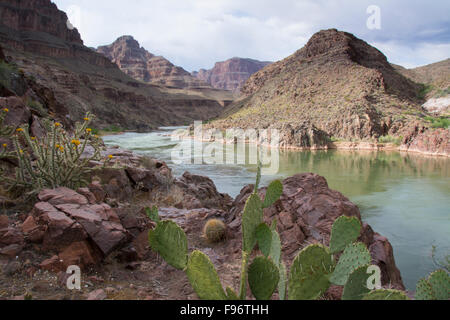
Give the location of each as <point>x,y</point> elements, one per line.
<point>99,294</point>
<point>29,225</point>
<point>4,221</point>
<point>11,236</point>
<point>96,189</point>
<point>80,254</point>
<point>230,74</point>
<point>12,250</point>
<point>62,196</point>
<point>144,66</point>
<point>88,194</point>
<point>313,208</point>
<point>53,264</point>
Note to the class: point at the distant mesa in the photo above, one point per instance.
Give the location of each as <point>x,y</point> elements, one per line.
<point>230,74</point>
<point>144,66</point>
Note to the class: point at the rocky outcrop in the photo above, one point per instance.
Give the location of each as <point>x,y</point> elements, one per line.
<point>337,82</point>
<point>427,141</point>
<point>305,214</point>
<point>230,74</point>
<point>38,26</point>
<point>142,65</point>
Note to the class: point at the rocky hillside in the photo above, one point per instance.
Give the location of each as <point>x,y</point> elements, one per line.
<point>37,42</point>
<point>142,65</point>
<point>435,79</point>
<point>337,84</point>
<point>231,74</point>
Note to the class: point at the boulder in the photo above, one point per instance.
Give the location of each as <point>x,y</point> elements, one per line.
<point>200,192</point>
<point>305,214</point>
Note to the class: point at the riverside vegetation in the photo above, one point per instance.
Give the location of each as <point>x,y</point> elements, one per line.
<point>345,263</point>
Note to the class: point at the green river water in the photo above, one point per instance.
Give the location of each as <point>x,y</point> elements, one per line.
<point>405,197</point>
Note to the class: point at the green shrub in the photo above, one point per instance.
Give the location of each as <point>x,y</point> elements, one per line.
<point>439,122</point>
<point>54,160</point>
<point>391,139</point>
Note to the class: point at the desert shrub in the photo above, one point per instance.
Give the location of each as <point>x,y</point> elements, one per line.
<point>55,160</point>
<point>439,122</point>
<point>391,139</point>
<point>37,107</point>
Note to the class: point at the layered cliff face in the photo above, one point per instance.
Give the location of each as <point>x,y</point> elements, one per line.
<point>337,83</point>
<point>141,65</point>
<point>35,38</point>
<point>230,74</point>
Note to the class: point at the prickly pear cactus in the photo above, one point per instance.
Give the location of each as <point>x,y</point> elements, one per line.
<point>384,294</point>
<point>356,286</point>
<point>440,284</point>
<point>231,295</point>
<point>424,291</point>
<point>214,230</point>
<point>308,278</point>
<point>263,277</point>
<point>153,214</point>
<point>273,193</point>
<point>275,247</point>
<point>251,218</point>
<point>345,231</point>
<point>169,240</point>
<point>203,277</point>
<point>264,238</point>
<point>355,255</point>
<point>283,281</point>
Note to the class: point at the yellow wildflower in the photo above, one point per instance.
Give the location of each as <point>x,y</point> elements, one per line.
<point>57,146</point>
<point>110,156</point>
<point>21,151</point>
<point>57,124</point>
<point>5,145</point>
<point>33,138</point>
<point>6,109</point>
<point>76,142</point>
<point>19,130</point>
<point>89,130</point>
<point>61,149</point>
<point>86,119</point>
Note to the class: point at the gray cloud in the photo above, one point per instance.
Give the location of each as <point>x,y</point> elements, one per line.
<point>196,33</point>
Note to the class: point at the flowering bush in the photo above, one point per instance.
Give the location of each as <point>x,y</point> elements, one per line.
<point>55,160</point>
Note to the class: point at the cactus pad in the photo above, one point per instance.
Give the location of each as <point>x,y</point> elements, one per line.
<point>355,255</point>
<point>263,277</point>
<point>424,291</point>
<point>282,282</point>
<point>203,277</point>
<point>275,247</point>
<point>356,286</point>
<point>152,214</point>
<point>384,294</point>
<point>251,219</point>
<point>231,295</point>
<point>345,231</point>
<point>169,240</point>
<point>273,193</point>
<point>440,284</point>
<point>264,237</point>
<point>310,271</point>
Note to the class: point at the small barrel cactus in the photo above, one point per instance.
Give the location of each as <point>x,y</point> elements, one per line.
<point>214,230</point>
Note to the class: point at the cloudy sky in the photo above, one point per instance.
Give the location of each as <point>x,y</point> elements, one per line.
<point>195,34</point>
